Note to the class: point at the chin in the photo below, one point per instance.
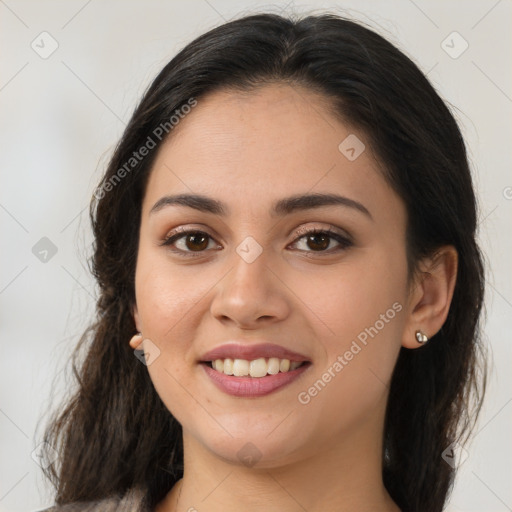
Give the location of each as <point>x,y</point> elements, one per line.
<point>255,448</point>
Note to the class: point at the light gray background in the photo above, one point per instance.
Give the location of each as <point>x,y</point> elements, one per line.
<point>62,115</point>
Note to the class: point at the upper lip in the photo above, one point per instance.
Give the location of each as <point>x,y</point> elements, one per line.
<point>251,352</point>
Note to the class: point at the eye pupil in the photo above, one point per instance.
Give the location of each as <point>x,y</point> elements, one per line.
<point>195,237</point>
<point>315,237</point>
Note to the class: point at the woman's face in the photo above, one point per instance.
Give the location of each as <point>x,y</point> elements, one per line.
<point>253,275</point>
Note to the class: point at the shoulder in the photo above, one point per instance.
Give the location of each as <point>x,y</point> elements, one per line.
<point>132,501</point>
<point>106,505</point>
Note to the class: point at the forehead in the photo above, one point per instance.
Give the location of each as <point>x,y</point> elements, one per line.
<point>278,118</point>
<point>251,148</point>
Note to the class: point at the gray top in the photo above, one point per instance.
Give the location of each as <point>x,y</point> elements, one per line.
<point>132,501</point>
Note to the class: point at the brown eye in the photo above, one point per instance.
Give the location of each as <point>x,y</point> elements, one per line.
<point>196,241</point>
<point>319,242</point>
<point>190,241</point>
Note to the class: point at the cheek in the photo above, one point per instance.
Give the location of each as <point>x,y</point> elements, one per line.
<point>166,294</point>
<point>169,302</point>
<point>352,382</point>
<point>362,304</point>
<point>355,295</point>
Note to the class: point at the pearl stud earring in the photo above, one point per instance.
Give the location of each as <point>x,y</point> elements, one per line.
<point>421,337</point>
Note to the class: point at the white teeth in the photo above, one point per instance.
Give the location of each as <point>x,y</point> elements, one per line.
<point>257,368</point>
<point>240,368</point>
<point>227,367</point>
<point>273,365</point>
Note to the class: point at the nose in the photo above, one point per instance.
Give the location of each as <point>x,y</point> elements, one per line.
<point>251,294</point>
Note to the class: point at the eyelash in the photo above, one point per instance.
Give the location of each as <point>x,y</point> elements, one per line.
<point>344,241</point>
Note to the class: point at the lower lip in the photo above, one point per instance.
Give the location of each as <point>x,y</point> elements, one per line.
<point>252,386</point>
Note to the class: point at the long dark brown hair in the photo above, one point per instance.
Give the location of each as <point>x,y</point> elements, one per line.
<point>115,433</point>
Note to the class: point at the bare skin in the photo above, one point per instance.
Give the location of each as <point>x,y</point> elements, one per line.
<point>315,451</point>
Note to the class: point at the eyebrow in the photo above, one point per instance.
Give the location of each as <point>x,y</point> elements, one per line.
<point>280,207</point>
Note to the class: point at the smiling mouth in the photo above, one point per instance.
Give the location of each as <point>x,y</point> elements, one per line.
<point>256,368</point>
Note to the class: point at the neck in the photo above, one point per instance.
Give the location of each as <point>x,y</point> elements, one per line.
<point>341,478</point>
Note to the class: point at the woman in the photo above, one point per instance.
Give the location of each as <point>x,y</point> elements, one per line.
<point>285,240</point>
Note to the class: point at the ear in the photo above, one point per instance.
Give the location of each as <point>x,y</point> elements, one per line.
<point>136,340</point>
<point>136,318</point>
<point>431,295</point>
